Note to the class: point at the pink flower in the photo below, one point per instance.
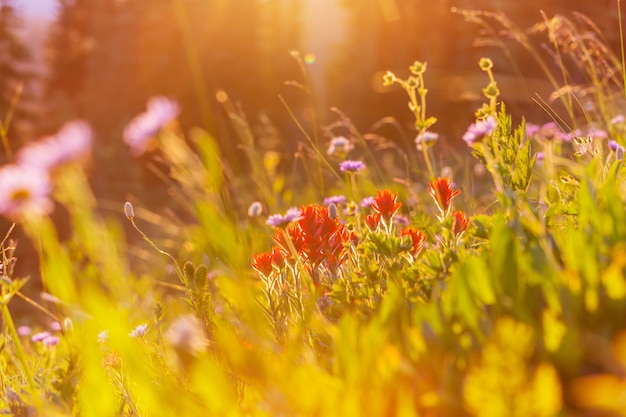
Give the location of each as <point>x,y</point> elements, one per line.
<point>144,127</point>
<point>24,191</point>
<point>71,143</point>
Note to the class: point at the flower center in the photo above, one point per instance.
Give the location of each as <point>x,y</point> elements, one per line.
<point>20,195</point>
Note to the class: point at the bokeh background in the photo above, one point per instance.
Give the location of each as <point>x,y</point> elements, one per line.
<point>100,60</point>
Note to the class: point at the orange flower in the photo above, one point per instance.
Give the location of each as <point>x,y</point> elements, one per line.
<point>417,239</point>
<point>460,222</point>
<point>385,204</point>
<point>442,193</point>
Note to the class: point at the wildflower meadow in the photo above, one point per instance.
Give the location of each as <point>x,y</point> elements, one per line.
<point>370,280</point>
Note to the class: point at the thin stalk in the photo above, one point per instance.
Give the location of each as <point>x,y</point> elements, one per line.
<point>621,43</point>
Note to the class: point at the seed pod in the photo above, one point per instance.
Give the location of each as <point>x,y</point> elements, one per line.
<point>332,211</point>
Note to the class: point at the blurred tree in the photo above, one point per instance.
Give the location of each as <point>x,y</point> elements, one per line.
<point>16,76</point>
<point>108,57</point>
<point>391,34</point>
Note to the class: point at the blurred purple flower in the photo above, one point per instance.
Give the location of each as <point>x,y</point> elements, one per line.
<point>139,331</point>
<point>339,145</point>
<point>617,119</point>
<point>277,220</point>
<point>50,341</point>
<point>335,199</point>
<point>24,190</point>
<point>428,138</point>
<point>24,331</point>
<point>597,133</point>
<point>613,145</point>
<point>401,220</point>
<point>540,156</point>
<point>351,166</point>
<point>38,337</point>
<point>55,326</point>
<point>478,130</point>
<point>103,336</point>
<point>549,131</point>
<point>367,201</point>
<point>71,143</point>
<point>532,129</point>
<point>144,127</point>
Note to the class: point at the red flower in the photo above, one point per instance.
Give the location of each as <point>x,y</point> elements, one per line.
<point>385,204</point>
<point>316,238</point>
<point>442,193</point>
<point>417,239</point>
<point>460,222</point>
<point>372,220</point>
<point>262,262</point>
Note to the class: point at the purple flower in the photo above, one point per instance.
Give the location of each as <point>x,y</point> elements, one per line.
<point>103,336</point>
<point>427,138</point>
<point>38,337</point>
<point>351,166</point>
<point>335,199</point>
<point>276,220</point>
<point>144,127</point>
<point>540,156</point>
<point>551,131</point>
<point>71,143</point>
<point>617,119</point>
<point>24,191</point>
<point>401,220</point>
<point>339,145</point>
<point>573,134</point>
<point>478,130</point>
<point>24,331</point>
<point>532,129</point>
<point>55,326</point>
<point>50,341</point>
<point>139,331</point>
<point>367,201</point>
<point>597,133</point>
<point>618,149</point>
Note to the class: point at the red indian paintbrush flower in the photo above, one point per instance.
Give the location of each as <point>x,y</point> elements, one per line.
<point>262,262</point>
<point>315,238</point>
<point>417,239</point>
<point>460,222</point>
<point>385,204</point>
<point>442,193</point>
<point>372,220</point>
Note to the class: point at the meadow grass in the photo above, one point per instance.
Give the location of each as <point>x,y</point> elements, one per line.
<point>390,296</point>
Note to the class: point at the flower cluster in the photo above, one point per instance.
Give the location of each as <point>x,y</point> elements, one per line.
<point>315,239</point>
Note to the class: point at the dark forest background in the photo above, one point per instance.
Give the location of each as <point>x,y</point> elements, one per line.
<point>104,58</point>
